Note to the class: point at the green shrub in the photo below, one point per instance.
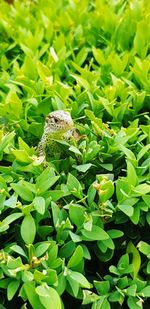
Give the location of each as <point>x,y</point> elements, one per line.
<point>76,232</point>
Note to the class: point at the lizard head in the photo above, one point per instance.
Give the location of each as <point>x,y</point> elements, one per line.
<point>59,121</point>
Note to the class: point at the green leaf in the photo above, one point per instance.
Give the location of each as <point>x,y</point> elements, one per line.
<point>75,150</point>
<point>51,277</point>
<point>76,258</point>
<point>18,250</point>
<point>136,259</point>
<point>141,39</point>
<point>38,276</point>
<point>134,303</point>
<point>103,303</point>
<point>77,277</point>
<point>67,249</point>
<point>148,268</point>
<point>122,190</point>
<point>11,202</point>
<point>21,155</point>
<point>11,218</point>
<point>60,288</point>
<point>74,285</point>
<point>96,233</point>
<point>23,191</point>
<point>52,254</point>
<point>41,249</point>
<point>12,289</point>
<point>102,287</point>
<point>81,56</point>
<point>129,154</point>
<point>5,282</point>
<point>14,104</point>
<point>24,146</point>
<point>89,297</point>
<point>76,214</point>
<point>115,233</point>
<point>126,209</point>
<point>48,297</point>
<point>32,296</point>
<point>106,190</point>
<point>108,167</point>
<point>28,229</point>
<point>83,168</point>
<point>144,248</point>
<point>141,189</point>
<point>123,266</point>
<point>99,56</point>
<point>146,199</point>
<point>14,263</point>
<point>145,292</point>
<point>136,214</point>
<point>6,140</point>
<point>46,180</point>
<point>45,74</point>
<point>27,276</point>
<point>75,238</point>
<point>116,296</point>
<point>3,226</point>
<point>56,213</point>
<point>74,186</point>
<point>142,152</point>
<point>131,174</point>
<point>131,290</point>
<point>56,194</point>
<point>39,204</point>
<point>81,81</point>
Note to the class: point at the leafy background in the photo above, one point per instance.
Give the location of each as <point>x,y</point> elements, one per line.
<point>77,232</point>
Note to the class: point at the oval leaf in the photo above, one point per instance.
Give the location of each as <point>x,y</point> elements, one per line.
<point>28,229</point>
<point>48,297</point>
<point>97,233</point>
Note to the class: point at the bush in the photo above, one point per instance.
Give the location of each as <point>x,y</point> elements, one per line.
<point>76,232</point>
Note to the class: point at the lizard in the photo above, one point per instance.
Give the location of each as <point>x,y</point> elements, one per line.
<point>58,126</point>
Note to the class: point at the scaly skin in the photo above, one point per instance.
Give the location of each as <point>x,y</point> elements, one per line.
<point>58,126</point>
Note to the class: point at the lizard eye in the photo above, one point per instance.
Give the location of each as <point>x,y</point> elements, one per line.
<point>56,120</point>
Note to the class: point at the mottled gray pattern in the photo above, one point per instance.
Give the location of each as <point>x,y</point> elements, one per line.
<point>58,125</point>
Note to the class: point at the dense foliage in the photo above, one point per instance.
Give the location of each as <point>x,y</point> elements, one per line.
<point>75,233</point>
